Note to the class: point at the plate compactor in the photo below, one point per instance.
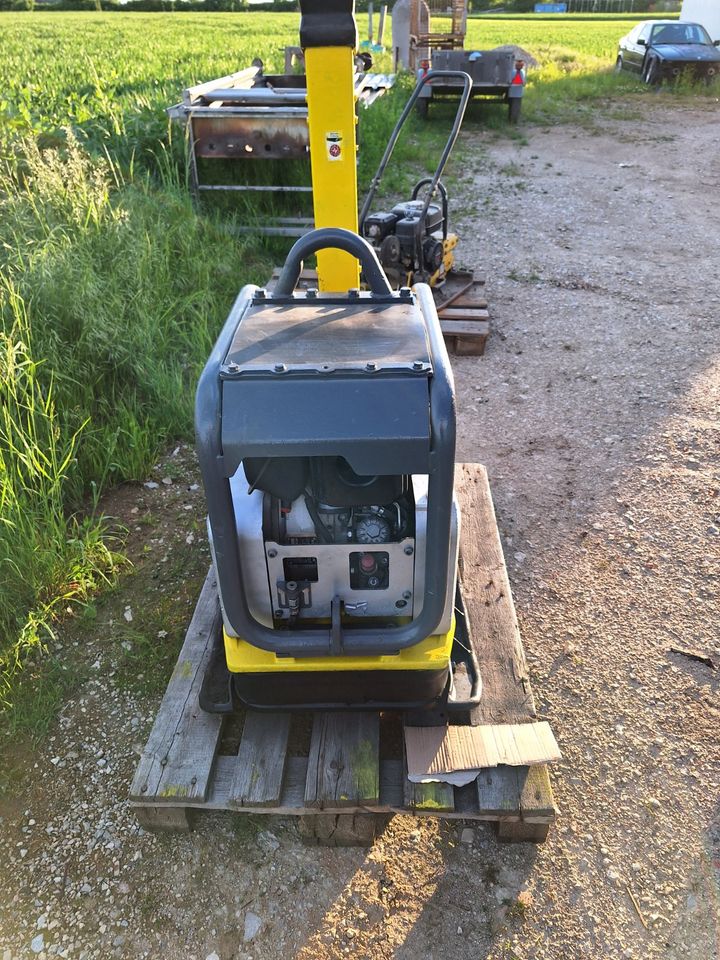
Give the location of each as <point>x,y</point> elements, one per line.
<point>326,438</point>
<point>412,239</point>
<point>325,423</point>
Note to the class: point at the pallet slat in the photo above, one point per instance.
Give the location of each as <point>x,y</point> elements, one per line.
<point>536,796</point>
<point>178,758</point>
<point>465,338</point>
<point>504,793</point>
<point>260,764</point>
<point>518,793</point>
<point>344,761</point>
<point>507,697</point>
<point>428,797</point>
<point>498,791</point>
<point>471,312</point>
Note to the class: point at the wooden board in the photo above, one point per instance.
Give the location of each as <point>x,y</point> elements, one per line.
<point>428,797</point>
<point>179,755</point>
<point>507,697</point>
<point>465,339</point>
<point>308,278</point>
<point>344,765</point>
<point>260,764</point>
<point>470,313</point>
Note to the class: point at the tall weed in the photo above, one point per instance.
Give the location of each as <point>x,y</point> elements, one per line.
<point>47,559</point>
<point>112,295</point>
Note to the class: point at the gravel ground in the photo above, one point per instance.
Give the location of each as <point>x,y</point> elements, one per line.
<point>595,409</point>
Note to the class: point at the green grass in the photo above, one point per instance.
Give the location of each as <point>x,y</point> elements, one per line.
<point>114,287</point>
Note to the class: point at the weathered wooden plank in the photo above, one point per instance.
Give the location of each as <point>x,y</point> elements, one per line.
<point>180,752</point>
<point>465,339</point>
<point>536,796</point>
<point>343,766</point>
<point>307,278</point>
<point>467,328</point>
<point>500,799</point>
<point>428,797</point>
<point>498,792</point>
<point>517,831</point>
<point>460,311</point>
<point>469,346</point>
<point>165,819</point>
<point>292,795</point>
<point>261,759</point>
<point>520,793</point>
<point>340,830</point>
<point>507,697</point>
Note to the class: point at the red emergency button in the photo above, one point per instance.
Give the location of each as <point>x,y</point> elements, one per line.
<point>367,563</point>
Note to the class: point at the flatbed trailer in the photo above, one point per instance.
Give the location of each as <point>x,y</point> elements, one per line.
<point>344,773</point>
<point>497,75</point>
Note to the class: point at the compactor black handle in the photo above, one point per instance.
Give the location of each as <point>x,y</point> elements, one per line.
<point>338,239</point>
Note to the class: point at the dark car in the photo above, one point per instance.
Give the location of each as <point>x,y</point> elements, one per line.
<point>666,49</point>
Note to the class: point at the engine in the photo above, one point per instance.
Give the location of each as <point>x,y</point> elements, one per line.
<point>325,531</point>
<point>405,242</point>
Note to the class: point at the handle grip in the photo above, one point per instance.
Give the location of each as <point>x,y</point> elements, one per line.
<point>338,239</point>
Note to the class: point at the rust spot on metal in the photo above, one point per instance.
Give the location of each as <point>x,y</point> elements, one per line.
<point>231,137</point>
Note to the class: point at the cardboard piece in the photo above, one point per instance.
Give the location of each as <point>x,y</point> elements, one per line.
<point>457,754</point>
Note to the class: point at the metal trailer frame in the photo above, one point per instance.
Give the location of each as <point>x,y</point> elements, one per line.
<point>492,73</point>
<point>253,116</point>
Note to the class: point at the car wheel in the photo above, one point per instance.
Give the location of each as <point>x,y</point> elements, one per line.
<point>651,76</point>
<point>619,65</point>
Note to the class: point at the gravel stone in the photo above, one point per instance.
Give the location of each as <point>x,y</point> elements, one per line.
<point>253,925</point>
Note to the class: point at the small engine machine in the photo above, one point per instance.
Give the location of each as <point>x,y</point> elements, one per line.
<point>326,438</point>
<point>412,239</point>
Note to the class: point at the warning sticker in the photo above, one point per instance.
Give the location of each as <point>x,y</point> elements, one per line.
<point>333,146</point>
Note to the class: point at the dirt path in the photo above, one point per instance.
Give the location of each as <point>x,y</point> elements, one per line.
<point>595,410</point>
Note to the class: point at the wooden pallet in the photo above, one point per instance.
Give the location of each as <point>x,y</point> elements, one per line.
<point>463,313</point>
<point>461,306</point>
<point>344,772</point>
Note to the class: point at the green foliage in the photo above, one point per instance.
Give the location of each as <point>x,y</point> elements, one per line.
<point>593,42</point>
<point>47,559</point>
<point>105,285</point>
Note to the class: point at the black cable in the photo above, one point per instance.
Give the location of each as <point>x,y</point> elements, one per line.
<point>323,534</point>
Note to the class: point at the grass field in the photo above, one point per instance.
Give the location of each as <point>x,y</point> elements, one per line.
<point>113,287</point>
<point>111,75</point>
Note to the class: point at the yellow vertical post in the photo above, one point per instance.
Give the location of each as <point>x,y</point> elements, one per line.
<point>329,36</point>
<point>331,121</point>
